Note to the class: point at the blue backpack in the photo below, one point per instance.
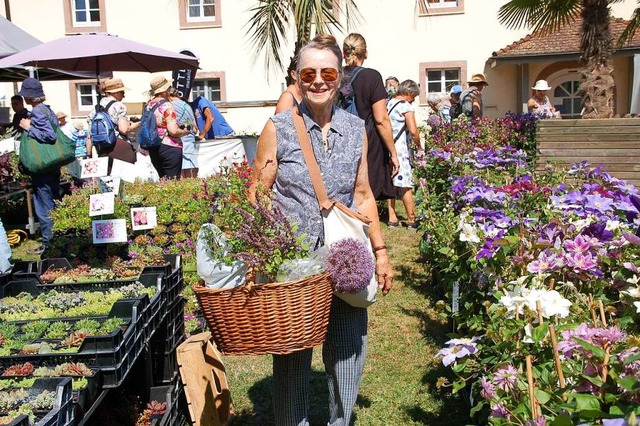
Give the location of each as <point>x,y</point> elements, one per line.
<point>102,129</point>
<point>346,95</point>
<point>148,136</point>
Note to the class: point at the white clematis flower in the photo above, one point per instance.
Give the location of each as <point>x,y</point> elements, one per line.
<point>469,234</point>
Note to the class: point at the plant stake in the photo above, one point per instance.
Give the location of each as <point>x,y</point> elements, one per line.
<point>603,318</point>
<point>556,356</point>
<point>532,396</point>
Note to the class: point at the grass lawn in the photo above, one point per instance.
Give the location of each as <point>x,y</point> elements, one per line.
<point>398,386</point>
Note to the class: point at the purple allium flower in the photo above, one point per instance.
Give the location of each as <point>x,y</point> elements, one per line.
<point>506,377</point>
<point>350,264</point>
<point>458,348</point>
<point>488,388</point>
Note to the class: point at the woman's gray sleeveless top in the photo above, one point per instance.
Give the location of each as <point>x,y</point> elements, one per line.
<point>338,166</point>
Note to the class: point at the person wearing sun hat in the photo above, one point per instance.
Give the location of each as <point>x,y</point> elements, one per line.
<point>41,126</point>
<point>471,99</point>
<point>65,126</point>
<point>539,104</point>
<point>123,150</point>
<point>166,158</point>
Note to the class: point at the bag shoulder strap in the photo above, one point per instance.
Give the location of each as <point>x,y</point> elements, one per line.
<point>157,105</point>
<point>310,159</point>
<point>403,128</point>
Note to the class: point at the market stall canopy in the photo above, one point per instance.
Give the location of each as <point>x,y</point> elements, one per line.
<point>13,39</point>
<point>97,53</point>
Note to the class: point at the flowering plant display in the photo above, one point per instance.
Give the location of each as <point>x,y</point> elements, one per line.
<point>539,271</point>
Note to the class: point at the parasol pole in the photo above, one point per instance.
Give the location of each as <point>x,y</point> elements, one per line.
<point>100,94</point>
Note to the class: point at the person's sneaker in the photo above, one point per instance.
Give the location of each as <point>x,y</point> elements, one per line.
<point>38,250</point>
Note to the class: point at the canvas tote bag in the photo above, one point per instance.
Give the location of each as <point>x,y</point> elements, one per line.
<point>39,157</point>
<point>339,220</point>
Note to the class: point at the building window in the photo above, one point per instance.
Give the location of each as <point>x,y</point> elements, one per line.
<point>442,80</point>
<point>84,16</point>
<point>84,97</point>
<point>440,77</point>
<point>210,89</point>
<point>440,7</point>
<point>211,85</point>
<point>199,13</point>
<point>566,99</point>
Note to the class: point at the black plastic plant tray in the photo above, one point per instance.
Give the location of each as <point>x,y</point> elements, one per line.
<point>99,351</point>
<point>173,394</point>
<point>63,411</point>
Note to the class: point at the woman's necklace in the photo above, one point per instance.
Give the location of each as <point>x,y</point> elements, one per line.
<point>325,142</point>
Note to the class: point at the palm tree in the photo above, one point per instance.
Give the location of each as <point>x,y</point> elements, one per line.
<point>272,20</point>
<point>596,43</point>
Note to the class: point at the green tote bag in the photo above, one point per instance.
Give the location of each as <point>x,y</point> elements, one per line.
<point>39,157</point>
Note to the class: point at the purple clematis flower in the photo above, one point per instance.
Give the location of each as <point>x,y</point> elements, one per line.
<point>499,410</point>
<point>599,203</point>
<point>540,421</point>
<point>458,348</point>
<point>506,377</point>
<point>546,261</point>
<point>488,388</point>
<point>580,261</point>
<point>614,422</point>
<point>599,231</point>
<point>578,245</point>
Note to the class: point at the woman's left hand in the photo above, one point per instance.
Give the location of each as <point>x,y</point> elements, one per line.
<point>384,274</point>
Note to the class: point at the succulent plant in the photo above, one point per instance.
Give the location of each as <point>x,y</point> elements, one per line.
<point>57,330</point>
<point>34,329</point>
<point>88,326</point>
<point>156,407</point>
<point>44,400</point>
<point>75,339</point>
<point>18,370</point>
<point>79,383</point>
<point>44,372</point>
<point>110,325</point>
<point>63,301</point>
<point>8,330</point>
<point>73,369</point>
<point>36,348</point>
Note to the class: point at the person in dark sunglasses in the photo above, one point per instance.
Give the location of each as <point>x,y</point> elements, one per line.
<point>339,142</point>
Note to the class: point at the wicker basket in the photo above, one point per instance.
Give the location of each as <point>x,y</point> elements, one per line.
<point>275,318</point>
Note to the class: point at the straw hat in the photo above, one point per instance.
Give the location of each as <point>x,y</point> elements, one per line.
<point>114,85</point>
<point>478,78</point>
<point>160,84</point>
<point>541,85</point>
<point>61,114</point>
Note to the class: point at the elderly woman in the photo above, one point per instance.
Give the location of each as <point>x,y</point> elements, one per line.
<point>539,104</point>
<point>167,158</point>
<point>406,136</point>
<point>41,126</point>
<point>340,145</point>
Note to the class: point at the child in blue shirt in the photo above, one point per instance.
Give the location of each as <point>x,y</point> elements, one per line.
<point>80,138</point>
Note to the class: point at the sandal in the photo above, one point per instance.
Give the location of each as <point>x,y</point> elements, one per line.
<point>393,224</point>
<point>413,225</point>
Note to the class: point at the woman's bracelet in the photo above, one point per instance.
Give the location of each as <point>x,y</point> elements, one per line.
<point>377,249</point>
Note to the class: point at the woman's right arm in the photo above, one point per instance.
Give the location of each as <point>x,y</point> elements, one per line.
<point>265,166</point>
<point>383,125</point>
<point>410,121</point>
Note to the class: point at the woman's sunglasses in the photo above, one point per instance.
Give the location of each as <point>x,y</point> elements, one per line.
<point>308,75</point>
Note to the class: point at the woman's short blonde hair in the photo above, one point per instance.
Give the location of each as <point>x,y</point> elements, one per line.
<point>354,48</point>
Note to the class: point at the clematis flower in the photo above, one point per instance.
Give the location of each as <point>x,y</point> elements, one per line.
<point>469,234</point>
<point>457,348</point>
<point>540,421</point>
<point>553,304</point>
<point>500,411</point>
<point>580,262</point>
<point>506,378</point>
<point>578,245</point>
<point>546,262</point>
<point>488,389</point>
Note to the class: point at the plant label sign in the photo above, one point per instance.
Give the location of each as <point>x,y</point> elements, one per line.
<point>455,297</point>
<point>143,218</point>
<point>123,170</point>
<point>94,167</point>
<point>100,204</point>
<point>109,231</point>
<point>109,184</point>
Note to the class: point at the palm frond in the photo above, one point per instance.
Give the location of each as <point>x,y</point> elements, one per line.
<point>539,15</point>
<point>267,30</point>
<point>632,27</point>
